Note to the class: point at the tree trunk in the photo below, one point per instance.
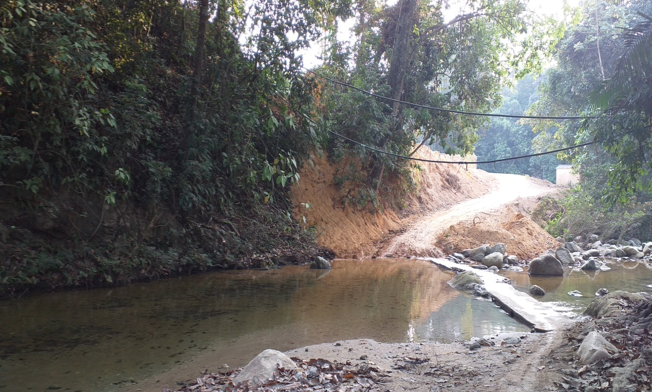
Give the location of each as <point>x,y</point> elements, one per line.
<point>200,49</point>
<point>400,61</point>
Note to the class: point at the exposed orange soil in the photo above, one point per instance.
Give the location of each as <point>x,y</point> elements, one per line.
<point>352,232</point>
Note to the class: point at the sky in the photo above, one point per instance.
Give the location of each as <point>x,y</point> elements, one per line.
<point>546,7</point>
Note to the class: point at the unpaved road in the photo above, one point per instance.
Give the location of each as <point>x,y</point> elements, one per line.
<point>420,237</point>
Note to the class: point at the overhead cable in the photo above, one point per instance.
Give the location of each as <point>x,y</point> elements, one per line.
<point>458,162</point>
<point>420,106</point>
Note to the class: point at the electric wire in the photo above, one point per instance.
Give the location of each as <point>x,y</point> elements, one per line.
<point>420,106</point>
<point>458,162</point>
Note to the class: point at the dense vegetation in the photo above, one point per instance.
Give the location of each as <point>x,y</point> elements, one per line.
<point>141,139</point>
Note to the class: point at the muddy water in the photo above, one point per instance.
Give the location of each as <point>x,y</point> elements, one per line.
<point>628,276</point>
<point>105,340</point>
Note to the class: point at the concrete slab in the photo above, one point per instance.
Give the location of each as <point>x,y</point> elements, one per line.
<point>537,315</point>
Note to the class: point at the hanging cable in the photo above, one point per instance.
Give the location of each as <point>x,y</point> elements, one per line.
<point>420,106</point>
<point>457,162</point>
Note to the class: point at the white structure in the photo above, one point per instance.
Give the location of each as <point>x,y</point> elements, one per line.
<point>565,176</point>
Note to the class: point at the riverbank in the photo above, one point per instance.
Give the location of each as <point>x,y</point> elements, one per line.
<point>513,362</point>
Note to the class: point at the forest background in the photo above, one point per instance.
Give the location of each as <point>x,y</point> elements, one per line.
<point>143,139</point>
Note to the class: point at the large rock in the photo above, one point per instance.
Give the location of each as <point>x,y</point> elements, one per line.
<point>593,237</point>
<point>630,250</point>
<point>620,253</point>
<point>610,304</point>
<point>262,368</point>
<point>595,347</point>
<point>493,259</point>
<point>564,256</point>
<point>477,254</point>
<point>536,290</point>
<point>320,263</point>
<point>465,281</point>
<point>498,248</point>
<point>547,265</point>
<point>573,247</point>
<point>635,242</point>
<point>647,248</point>
<point>511,259</point>
<point>590,265</point>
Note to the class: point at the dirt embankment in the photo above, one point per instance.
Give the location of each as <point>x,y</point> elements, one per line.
<point>452,208</point>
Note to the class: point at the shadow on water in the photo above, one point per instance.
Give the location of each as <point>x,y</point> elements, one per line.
<point>104,340</point>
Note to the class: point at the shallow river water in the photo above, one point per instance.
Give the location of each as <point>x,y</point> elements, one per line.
<point>107,339</point>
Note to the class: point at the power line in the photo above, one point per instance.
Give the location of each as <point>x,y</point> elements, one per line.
<point>420,106</point>
<point>458,162</point>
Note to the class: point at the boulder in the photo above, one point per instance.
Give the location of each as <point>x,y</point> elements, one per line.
<point>480,291</point>
<point>590,265</point>
<point>536,290</point>
<point>483,250</point>
<point>500,247</point>
<point>610,304</point>
<point>493,259</point>
<point>647,248</point>
<point>592,253</point>
<point>320,263</point>
<point>564,256</point>
<point>635,242</point>
<point>465,281</point>
<point>594,238</point>
<point>620,253</point>
<point>572,247</point>
<point>262,368</point>
<point>601,292</point>
<point>630,250</point>
<point>595,347</point>
<point>511,259</point>
<point>546,265</point>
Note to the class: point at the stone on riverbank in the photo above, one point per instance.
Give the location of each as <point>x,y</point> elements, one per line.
<point>590,266</point>
<point>320,263</point>
<point>610,304</point>
<point>493,259</point>
<point>547,265</point>
<point>573,247</point>
<point>564,256</point>
<point>595,347</point>
<point>262,368</point>
<point>630,250</point>
<point>500,247</point>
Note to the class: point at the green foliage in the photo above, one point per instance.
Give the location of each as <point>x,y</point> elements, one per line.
<point>583,214</point>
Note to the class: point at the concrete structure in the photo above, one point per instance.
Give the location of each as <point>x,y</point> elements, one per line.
<point>565,176</point>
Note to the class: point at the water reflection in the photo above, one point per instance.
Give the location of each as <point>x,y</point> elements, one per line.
<point>102,340</point>
<point>628,276</point>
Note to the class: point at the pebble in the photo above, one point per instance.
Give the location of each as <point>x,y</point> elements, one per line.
<point>575,293</point>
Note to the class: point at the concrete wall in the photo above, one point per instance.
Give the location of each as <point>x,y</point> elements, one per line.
<point>565,176</point>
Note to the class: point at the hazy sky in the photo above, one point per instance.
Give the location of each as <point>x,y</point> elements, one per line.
<point>547,7</point>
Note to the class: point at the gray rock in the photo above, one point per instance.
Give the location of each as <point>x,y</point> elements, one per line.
<point>458,256</point>
<point>465,281</point>
<point>596,244</point>
<point>493,259</point>
<point>595,347</point>
<point>262,368</point>
<point>592,253</point>
<point>511,259</point>
<point>593,237</point>
<point>620,253</point>
<point>512,340</point>
<point>575,293</point>
<point>572,247</point>
<point>639,255</point>
<point>480,251</point>
<point>610,304</point>
<point>547,265</point>
<point>578,239</point>
<point>475,346</point>
<point>564,256</point>
<point>590,265</point>
<point>320,263</point>
<point>635,242</point>
<point>601,292</point>
<point>630,250</point>
<point>536,290</point>
<point>500,247</point>
<point>647,248</point>
<point>480,291</point>
<point>479,266</point>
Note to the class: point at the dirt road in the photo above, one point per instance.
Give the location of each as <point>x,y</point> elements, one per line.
<point>420,237</point>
